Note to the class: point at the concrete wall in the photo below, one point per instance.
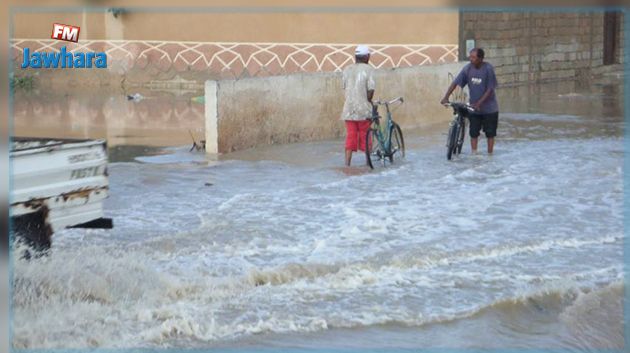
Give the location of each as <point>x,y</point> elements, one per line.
<point>258,111</point>
<point>540,46</point>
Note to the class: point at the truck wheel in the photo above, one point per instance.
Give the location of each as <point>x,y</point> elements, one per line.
<point>33,231</point>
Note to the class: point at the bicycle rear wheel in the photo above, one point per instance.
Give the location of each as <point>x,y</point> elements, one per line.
<point>374,151</point>
<point>397,143</point>
<point>451,142</point>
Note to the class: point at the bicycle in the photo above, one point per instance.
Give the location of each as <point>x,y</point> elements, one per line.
<point>387,144</point>
<point>457,128</point>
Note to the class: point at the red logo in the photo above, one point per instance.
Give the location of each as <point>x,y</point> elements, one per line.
<point>65,32</point>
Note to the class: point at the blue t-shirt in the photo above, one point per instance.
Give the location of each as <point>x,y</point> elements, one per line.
<point>479,81</point>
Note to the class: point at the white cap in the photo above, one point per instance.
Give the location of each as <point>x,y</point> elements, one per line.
<point>362,50</point>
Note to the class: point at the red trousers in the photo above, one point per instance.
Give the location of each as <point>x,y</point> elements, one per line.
<point>355,134</point>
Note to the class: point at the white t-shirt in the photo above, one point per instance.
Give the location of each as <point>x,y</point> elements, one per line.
<point>358,78</point>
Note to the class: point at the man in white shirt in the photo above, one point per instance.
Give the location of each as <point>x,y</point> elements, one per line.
<point>358,85</point>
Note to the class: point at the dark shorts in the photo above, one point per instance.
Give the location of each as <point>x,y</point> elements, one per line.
<point>487,122</point>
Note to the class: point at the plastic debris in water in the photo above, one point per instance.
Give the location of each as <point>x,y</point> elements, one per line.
<point>136,97</point>
<point>198,99</point>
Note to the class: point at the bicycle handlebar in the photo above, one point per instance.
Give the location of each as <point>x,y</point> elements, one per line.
<point>459,105</point>
<point>398,99</point>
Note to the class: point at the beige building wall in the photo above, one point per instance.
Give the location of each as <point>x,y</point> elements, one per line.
<point>430,27</point>
<point>33,25</point>
<point>195,44</point>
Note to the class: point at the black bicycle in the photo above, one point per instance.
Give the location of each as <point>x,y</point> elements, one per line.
<point>384,141</point>
<point>457,128</point>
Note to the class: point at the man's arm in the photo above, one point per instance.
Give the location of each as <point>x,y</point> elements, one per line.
<point>448,93</point>
<point>460,80</point>
<point>371,85</point>
<point>477,104</point>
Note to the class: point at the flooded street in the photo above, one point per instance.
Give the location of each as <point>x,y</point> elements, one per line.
<point>152,118</point>
<point>283,247</point>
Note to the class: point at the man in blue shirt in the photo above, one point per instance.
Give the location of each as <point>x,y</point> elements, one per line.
<point>481,81</point>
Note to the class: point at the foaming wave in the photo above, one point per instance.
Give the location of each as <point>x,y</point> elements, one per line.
<point>378,267</point>
<point>93,274</point>
<point>593,315</point>
<point>289,273</point>
<point>180,327</point>
<point>443,259</point>
<point>553,295</point>
<point>596,317</point>
<point>544,117</point>
<point>163,311</point>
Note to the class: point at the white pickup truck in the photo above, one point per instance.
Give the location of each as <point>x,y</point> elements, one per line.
<point>56,184</point>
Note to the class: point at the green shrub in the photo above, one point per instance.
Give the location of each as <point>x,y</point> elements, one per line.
<point>23,82</point>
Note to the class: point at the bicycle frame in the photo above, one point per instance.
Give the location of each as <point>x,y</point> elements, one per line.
<point>460,120</point>
<point>384,138</point>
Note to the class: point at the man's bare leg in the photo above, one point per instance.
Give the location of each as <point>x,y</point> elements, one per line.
<point>473,144</point>
<point>490,144</point>
<point>348,157</point>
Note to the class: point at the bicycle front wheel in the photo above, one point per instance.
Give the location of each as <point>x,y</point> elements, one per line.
<point>397,143</point>
<point>373,147</point>
<point>451,142</point>
<point>462,135</point>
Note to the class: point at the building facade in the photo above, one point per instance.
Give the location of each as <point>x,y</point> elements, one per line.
<point>539,46</point>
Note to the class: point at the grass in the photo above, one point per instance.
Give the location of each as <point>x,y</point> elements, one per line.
<point>26,82</point>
